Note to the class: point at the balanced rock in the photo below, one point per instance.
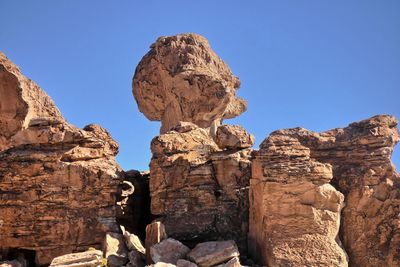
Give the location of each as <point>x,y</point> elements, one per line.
<point>58,183</point>
<point>182,79</point>
<point>90,258</point>
<point>213,252</point>
<point>168,251</point>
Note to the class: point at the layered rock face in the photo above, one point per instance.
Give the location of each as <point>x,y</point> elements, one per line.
<point>57,182</point>
<point>297,211</point>
<point>182,79</point>
<point>200,170</point>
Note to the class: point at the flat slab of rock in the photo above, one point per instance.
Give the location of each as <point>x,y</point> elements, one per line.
<point>115,250</point>
<point>82,259</point>
<point>168,251</point>
<point>214,252</point>
<point>234,262</point>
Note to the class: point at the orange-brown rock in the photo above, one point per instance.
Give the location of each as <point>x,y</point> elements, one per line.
<point>198,191</point>
<point>359,156</point>
<point>233,137</point>
<point>57,182</point>
<point>294,211</point>
<point>182,79</point>
<point>155,233</point>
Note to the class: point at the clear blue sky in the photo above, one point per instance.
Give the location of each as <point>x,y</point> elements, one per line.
<point>315,64</point>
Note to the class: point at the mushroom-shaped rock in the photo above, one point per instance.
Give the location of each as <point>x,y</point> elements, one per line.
<point>182,79</point>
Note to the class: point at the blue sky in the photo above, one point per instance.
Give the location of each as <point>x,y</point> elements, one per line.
<point>315,64</point>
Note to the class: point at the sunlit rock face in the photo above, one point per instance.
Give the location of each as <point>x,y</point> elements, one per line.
<point>57,182</point>
<point>295,212</point>
<point>182,79</point>
<point>198,188</point>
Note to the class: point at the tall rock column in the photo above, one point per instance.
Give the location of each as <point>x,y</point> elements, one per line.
<point>200,170</point>
<point>57,182</point>
<point>294,211</point>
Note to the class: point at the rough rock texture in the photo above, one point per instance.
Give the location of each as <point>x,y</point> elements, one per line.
<point>294,211</point>
<point>234,262</point>
<point>182,79</point>
<point>296,159</point>
<point>233,137</point>
<point>198,191</point>
<point>362,170</point>
<point>57,182</point>
<point>90,258</point>
<point>214,252</point>
<point>155,233</point>
<point>185,263</point>
<point>115,250</point>
<point>133,242</point>
<point>169,251</point>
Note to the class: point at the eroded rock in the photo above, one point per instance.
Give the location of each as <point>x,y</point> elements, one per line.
<point>213,252</point>
<point>185,263</point>
<point>182,79</point>
<point>233,137</point>
<point>115,250</point>
<point>90,258</point>
<point>168,251</point>
<point>58,182</point>
<point>155,233</point>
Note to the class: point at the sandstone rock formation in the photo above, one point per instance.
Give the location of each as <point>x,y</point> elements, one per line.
<point>297,211</point>
<point>57,182</point>
<point>198,190</point>
<point>168,251</point>
<point>182,79</point>
<point>212,253</point>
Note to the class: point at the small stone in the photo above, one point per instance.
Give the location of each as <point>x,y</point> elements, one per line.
<point>90,258</point>
<point>155,233</point>
<point>234,262</point>
<point>133,242</point>
<point>185,263</point>
<point>136,259</point>
<point>214,252</point>
<point>169,251</point>
<point>115,250</point>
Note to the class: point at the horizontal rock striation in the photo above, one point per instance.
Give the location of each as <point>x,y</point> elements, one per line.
<point>57,182</point>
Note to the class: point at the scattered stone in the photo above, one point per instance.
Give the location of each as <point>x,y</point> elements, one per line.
<point>133,242</point>
<point>233,137</point>
<point>185,263</point>
<point>90,258</point>
<point>13,263</point>
<point>213,252</point>
<point>115,250</point>
<point>169,251</point>
<point>182,79</point>
<point>234,262</point>
<point>155,233</point>
<point>136,259</point>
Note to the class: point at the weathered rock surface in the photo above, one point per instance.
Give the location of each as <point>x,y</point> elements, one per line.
<point>57,182</point>
<point>155,233</point>
<point>133,242</point>
<point>198,191</point>
<point>234,262</point>
<point>294,211</point>
<point>182,79</point>
<point>168,251</point>
<point>185,263</point>
<point>362,170</point>
<point>213,252</point>
<point>136,259</point>
<point>115,250</point>
<point>233,137</point>
<point>90,258</point>
<point>294,166</point>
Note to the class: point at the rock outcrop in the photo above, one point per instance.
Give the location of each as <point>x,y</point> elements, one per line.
<point>200,170</point>
<point>57,182</point>
<point>182,79</point>
<point>294,212</point>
